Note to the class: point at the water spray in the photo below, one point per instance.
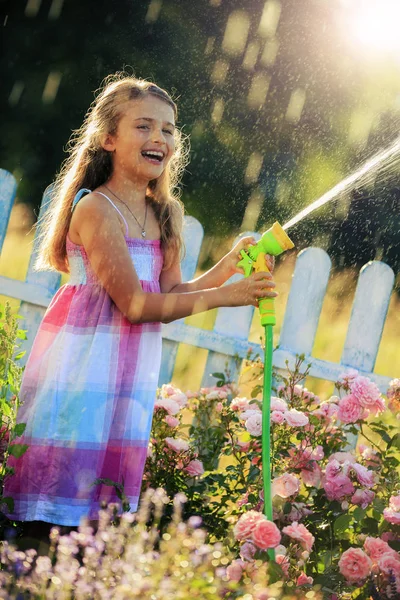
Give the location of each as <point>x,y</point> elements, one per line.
<point>273,242</point>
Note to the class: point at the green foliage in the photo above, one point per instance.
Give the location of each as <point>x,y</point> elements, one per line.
<point>10,381</point>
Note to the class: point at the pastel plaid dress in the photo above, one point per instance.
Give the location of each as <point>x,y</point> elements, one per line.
<point>88,393</point>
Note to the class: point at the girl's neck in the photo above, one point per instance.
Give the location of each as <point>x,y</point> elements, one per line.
<point>132,193</point>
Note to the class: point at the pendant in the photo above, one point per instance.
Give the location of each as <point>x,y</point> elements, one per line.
<point>143,233</point>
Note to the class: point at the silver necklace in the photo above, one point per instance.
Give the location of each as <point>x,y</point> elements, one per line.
<point>142,227</point>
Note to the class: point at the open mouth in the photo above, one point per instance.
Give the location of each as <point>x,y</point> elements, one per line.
<point>153,155</point>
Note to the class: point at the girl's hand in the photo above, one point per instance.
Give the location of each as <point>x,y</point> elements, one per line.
<point>250,289</point>
<point>234,256</point>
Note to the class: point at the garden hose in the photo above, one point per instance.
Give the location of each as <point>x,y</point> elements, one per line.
<point>273,242</point>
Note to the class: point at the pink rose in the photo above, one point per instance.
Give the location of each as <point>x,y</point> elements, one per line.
<point>266,534</point>
<point>362,498</point>
<point>348,376</point>
<point>254,424</point>
<point>278,404</point>
<point>365,391</point>
<point>333,468</point>
<point>343,457</point>
<point>304,580</point>
<point>392,513</point>
<point>246,524</point>
<point>312,476</point>
<point>239,404</point>
<point>219,407</point>
<point>375,548</point>
<point>249,413</point>
<point>338,487</point>
<point>180,398</point>
<point>296,418</point>
<point>234,571</point>
<point>244,446</point>
<point>284,563</point>
<point>299,532</point>
<point>171,421</point>
<point>247,551</point>
<point>194,468</point>
<point>170,406</point>
<point>355,565</point>
<point>177,444</point>
<point>285,486</point>
<point>350,410</point>
<point>364,476</point>
<point>277,416</point>
<point>393,395</point>
<point>390,562</point>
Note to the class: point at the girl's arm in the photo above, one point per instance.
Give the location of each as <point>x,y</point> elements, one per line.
<point>97,225</point>
<point>171,280</point>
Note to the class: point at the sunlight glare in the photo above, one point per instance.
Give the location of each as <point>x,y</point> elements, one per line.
<point>375,24</point>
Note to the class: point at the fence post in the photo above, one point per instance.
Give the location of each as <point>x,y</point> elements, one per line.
<point>8,189</point>
<point>368,315</point>
<point>304,306</point>
<point>48,280</point>
<point>193,236</point>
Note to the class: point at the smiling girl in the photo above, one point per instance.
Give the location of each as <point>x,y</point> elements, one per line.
<point>114,225</point>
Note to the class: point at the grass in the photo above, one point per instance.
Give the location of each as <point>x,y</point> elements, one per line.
<point>330,337</point>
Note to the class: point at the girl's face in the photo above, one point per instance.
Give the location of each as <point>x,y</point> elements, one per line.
<point>144,142</point>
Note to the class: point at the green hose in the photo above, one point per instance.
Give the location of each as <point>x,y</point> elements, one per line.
<point>266,428</point>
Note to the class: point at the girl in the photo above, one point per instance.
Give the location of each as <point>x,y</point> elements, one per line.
<point>90,381</point>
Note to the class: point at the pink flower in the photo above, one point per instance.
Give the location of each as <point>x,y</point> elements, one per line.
<point>266,534</point>
<point>365,391</point>
<point>343,457</point>
<point>355,565</point>
<point>375,548</point>
<point>239,404</point>
<point>177,444</point>
<point>362,498</point>
<point>168,405</point>
<point>392,513</point>
<point>285,486</point>
<point>244,446</point>
<point>277,416</point>
<point>338,487</point>
<point>171,421</point>
<point>247,551</point>
<point>278,404</point>
<point>312,476</point>
<point>246,524</point>
<point>194,468</point>
<point>364,476</point>
<point>299,532</point>
<point>348,376</point>
<point>298,511</point>
<point>350,410</point>
<point>390,563</point>
<point>180,398</point>
<point>333,468</point>
<point>296,418</point>
<point>234,571</point>
<point>254,424</point>
<point>393,395</point>
<point>304,580</point>
<point>219,407</point>
<point>283,562</point>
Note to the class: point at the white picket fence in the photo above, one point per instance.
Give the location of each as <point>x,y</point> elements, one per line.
<point>229,338</point>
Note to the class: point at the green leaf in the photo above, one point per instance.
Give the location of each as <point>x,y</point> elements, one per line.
<point>17,450</point>
<point>19,429</point>
<point>287,507</point>
<point>342,523</point>
<point>275,572</point>
<point>359,513</point>
<point>218,375</point>
<point>395,441</point>
<point>9,502</point>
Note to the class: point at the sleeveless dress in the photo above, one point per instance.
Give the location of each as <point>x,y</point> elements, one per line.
<point>88,394</point>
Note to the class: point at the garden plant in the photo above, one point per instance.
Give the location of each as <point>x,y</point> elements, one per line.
<point>200,531</point>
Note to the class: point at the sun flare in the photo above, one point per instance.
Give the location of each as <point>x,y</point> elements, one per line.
<point>374,25</point>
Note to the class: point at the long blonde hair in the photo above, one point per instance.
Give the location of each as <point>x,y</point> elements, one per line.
<point>89,166</point>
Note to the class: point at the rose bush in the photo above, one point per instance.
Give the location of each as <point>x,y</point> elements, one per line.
<point>336,508</point>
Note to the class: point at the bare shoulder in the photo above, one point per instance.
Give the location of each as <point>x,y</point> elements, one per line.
<point>93,211</point>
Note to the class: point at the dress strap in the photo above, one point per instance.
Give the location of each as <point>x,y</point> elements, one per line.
<point>118,211</point>
<point>84,191</point>
<point>78,196</point>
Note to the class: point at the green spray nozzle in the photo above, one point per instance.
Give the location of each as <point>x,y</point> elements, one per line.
<point>273,242</point>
